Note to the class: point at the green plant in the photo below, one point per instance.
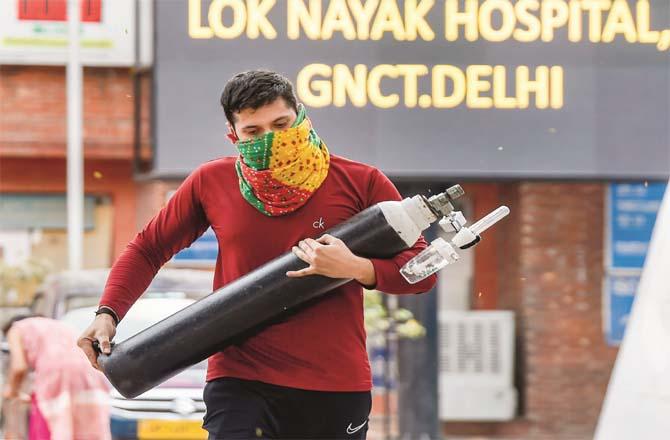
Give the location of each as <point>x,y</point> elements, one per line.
<point>378,320</point>
<point>17,283</point>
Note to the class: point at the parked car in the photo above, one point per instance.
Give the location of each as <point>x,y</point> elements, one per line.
<point>174,409</point>
<point>68,290</point>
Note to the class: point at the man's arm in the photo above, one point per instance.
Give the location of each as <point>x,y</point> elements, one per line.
<point>387,274</point>
<point>175,227</point>
<point>329,256</point>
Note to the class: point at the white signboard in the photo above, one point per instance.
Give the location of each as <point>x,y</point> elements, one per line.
<point>34,32</point>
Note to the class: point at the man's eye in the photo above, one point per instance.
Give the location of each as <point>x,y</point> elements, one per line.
<point>281,125</point>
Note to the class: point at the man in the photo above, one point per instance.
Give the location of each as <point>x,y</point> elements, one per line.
<point>307,376</point>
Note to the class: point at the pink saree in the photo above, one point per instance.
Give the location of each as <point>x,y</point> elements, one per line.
<point>72,397</point>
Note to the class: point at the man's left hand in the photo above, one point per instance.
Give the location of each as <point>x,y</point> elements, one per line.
<point>330,257</point>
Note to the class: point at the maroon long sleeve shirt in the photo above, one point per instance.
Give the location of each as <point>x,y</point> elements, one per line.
<point>322,347</point>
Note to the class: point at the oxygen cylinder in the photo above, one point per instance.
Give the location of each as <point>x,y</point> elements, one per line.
<point>221,318</point>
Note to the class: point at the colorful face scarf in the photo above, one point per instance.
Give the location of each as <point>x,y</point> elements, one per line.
<point>279,171</point>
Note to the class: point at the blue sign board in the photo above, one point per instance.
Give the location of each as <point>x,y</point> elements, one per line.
<point>203,251</point>
<point>379,357</point>
<point>632,213</point>
<point>619,293</point>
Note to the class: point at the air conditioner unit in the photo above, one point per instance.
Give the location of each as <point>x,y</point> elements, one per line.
<point>476,370</point>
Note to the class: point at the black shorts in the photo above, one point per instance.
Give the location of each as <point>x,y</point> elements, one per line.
<point>245,409</point>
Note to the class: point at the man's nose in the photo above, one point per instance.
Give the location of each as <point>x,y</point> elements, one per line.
<point>263,131</point>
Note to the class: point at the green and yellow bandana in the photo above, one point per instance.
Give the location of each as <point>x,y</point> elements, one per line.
<point>281,170</point>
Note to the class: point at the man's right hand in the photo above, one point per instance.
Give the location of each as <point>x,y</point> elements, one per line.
<point>101,330</point>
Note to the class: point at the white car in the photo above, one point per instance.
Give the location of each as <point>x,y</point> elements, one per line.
<point>173,409</point>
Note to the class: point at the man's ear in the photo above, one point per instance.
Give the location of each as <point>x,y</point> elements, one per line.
<point>231,133</point>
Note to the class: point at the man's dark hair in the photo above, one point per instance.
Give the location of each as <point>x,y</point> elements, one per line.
<point>254,89</point>
<point>17,318</point>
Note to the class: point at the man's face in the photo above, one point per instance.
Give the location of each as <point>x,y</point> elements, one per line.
<point>275,116</point>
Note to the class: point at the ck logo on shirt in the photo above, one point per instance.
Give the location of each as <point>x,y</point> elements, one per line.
<point>319,224</point>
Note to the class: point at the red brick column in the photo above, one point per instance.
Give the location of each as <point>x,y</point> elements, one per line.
<point>549,270</point>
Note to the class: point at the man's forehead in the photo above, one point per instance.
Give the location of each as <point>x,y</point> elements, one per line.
<point>271,111</point>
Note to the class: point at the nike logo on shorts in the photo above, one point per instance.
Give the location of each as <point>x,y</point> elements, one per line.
<point>351,430</point>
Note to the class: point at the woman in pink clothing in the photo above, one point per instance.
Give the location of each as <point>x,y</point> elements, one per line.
<point>70,400</point>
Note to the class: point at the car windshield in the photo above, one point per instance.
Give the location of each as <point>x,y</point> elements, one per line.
<point>144,313</point>
<point>77,302</point>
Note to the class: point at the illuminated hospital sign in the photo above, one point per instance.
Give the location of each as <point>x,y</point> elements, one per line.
<point>568,86</point>
<point>523,20</point>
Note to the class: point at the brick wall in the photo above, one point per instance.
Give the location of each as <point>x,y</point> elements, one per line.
<point>33,136</point>
<point>550,268</point>
<point>33,112</point>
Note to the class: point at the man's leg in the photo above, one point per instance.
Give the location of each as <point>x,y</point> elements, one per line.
<point>239,409</point>
<point>329,415</point>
